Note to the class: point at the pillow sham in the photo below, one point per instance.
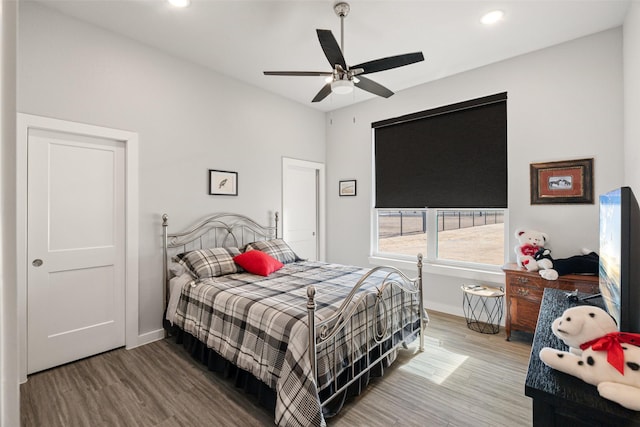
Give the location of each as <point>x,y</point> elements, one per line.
<point>176,268</point>
<point>214,262</point>
<point>258,262</point>
<point>175,287</point>
<point>277,248</point>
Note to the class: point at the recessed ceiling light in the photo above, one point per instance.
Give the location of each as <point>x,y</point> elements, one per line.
<point>492,17</point>
<point>179,3</point>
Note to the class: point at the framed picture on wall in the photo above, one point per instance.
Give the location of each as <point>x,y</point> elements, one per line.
<point>347,188</point>
<point>569,181</point>
<point>223,183</point>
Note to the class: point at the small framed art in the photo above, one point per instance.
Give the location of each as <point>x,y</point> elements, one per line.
<point>569,181</point>
<point>223,183</point>
<point>347,188</point>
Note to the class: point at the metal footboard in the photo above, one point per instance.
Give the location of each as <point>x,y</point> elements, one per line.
<point>394,318</point>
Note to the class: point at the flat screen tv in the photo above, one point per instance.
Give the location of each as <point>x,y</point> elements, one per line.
<point>619,270</point>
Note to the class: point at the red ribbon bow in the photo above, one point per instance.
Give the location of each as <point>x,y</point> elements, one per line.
<point>612,344</point>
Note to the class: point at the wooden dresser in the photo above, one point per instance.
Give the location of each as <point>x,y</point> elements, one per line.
<point>524,293</point>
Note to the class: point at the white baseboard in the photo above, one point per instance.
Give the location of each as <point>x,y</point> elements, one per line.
<point>455,311</point>
<point>148,338</point>
<point>444,308</point>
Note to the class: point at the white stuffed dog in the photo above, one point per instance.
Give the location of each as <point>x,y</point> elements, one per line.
<point>598,354</point>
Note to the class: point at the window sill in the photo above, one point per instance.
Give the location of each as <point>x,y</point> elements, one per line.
<point>492,274</point>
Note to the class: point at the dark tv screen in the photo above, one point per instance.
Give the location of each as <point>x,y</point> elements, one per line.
<point>619,245</point>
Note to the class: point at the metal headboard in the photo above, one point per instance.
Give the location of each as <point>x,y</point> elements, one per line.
<point>218,230</point>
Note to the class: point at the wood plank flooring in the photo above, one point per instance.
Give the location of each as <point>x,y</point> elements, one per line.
<point>463,378</point>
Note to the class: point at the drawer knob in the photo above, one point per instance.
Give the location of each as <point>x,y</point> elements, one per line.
<point>523,279</point>
<point>522,292</point>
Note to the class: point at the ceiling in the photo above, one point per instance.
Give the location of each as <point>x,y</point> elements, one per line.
<point>243,38</point>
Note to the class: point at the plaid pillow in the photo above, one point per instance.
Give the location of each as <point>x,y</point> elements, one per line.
<point>277,248</point>
<point>213,262</point>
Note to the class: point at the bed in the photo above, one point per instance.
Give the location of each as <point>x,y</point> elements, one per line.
<point>302,335</point>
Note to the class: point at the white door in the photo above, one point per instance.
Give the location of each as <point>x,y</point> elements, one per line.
<point>75,247</point>
<point>301,207</point>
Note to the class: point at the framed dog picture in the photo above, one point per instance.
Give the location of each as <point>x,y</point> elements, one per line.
<point>569,181</point>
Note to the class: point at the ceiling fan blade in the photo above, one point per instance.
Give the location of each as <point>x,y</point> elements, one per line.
<point>373,87</point>
<point>298,73</point>
<point>331,48</point>
<point>324,92</point>
<point>390,62</point>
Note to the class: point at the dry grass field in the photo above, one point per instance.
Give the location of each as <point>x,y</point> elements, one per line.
<point>487,249</point>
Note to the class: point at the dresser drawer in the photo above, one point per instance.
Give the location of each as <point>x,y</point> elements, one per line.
<point>523,314</point>
<point>583,287</point>
<point>533,293</point>
<point>525,281</point>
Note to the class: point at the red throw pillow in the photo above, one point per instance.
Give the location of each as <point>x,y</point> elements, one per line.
<point>258,262</point>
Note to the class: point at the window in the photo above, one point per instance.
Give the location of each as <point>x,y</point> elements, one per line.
<point>459,236</point>
<point>471,236</point>
<point>452,159</point>
<point>402,232</point>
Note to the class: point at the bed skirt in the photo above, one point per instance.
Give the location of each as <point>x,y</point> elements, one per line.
<point>265,395</point>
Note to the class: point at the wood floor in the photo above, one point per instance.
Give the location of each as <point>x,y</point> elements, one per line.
<point>463,378</point>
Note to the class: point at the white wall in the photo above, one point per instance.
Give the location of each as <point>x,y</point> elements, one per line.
<point>188,118</point>
<point>9,396</point>
<point>564,102</point>
<point>631,48</point>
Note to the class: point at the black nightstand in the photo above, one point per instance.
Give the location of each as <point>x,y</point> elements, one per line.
<point>560,399</point>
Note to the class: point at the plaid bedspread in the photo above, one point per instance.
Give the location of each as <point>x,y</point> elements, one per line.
<point>260,325</point>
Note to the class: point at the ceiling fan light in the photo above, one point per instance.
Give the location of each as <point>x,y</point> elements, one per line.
<point>342,87</point>
<point>179,3</point>
<point>492,17</point>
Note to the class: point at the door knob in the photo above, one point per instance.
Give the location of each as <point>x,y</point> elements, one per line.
<point>37,262</point>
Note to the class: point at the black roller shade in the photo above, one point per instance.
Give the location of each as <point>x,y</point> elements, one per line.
<point>449,157</point>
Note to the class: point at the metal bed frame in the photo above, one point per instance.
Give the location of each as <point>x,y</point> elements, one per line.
<point>227,229</point>
<point>218,230</point>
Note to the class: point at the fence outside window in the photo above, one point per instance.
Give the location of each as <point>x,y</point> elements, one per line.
<point>475,236</point>
<point>401,223</point>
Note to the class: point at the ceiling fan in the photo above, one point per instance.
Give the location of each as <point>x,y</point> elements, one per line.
<point>343,78</point>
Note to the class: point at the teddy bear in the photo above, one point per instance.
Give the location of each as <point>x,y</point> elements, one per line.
<point>598,354</point>
<point>529,244</point>
<point>587,263</point>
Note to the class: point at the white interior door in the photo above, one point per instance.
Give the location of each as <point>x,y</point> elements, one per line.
<point>75,247</point>
<point>301,207</point>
